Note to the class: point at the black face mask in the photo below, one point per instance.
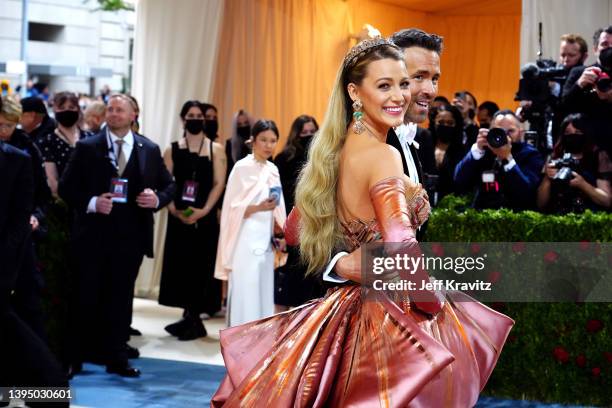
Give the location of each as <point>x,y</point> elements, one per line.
<point>244,131</point>
<point>211,127</point>
<point>573,143</point>
<point>67,118</point>
<point>194,126</point>
<point>445,133</point>
<point>305,141</point>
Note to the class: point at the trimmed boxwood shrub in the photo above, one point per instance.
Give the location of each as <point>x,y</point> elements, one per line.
<point>557,352</point>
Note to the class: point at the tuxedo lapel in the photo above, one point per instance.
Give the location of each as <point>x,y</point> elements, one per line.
<point>417,161</point>
<point>139,149</point>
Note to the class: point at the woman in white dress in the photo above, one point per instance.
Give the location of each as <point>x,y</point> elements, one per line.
<point>253,210</point>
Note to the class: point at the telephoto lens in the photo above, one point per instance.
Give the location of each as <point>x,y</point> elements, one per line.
<point>497,137</point>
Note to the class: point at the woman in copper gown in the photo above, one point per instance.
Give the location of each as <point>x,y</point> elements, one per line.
<point>358,347</point>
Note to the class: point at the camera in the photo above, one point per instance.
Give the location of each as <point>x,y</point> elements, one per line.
<point>533,85</point>
<point>566,165</point>
<point>604,83</point>
<point>497,137</point>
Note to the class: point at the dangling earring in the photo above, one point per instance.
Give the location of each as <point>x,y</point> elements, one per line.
<point>358,126</point>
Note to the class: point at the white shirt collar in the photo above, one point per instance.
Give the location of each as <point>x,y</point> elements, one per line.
<point>406,132</point>
<point>128,139</point>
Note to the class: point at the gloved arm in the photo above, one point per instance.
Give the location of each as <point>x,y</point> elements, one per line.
<point>398,227</point>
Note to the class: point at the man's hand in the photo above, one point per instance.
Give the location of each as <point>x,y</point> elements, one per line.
<point>147,199</point>
<point>504,152</point>
<point>481,139</point>
<point>589,77</point>
<point>349,266</point>
<point>104,204</point>
<point>34,223</point>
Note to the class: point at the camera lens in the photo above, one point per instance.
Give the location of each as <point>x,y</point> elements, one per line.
<point>604,84</point>
<point>497,137</point>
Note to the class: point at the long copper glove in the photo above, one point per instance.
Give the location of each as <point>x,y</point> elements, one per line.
<point>395,221</point>
<point>292,225</point>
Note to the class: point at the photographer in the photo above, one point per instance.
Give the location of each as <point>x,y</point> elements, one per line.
<point>577,91</point>
<point>578,175</point>
<point>506,171</point>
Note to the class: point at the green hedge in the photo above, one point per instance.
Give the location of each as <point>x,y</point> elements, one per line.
<point>556,352</point>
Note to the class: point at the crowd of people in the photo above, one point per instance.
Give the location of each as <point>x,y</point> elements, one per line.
<point>228,197</point>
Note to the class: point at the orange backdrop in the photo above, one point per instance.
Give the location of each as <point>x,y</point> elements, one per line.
<point>278,58</point>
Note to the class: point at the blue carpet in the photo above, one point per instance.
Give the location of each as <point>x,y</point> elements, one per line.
<point>163,384</point>
<point>177,384</point>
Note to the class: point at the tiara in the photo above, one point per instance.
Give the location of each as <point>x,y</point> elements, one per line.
<point>361,48</point>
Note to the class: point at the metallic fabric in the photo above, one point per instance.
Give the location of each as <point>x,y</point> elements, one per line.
<point>358,348</point>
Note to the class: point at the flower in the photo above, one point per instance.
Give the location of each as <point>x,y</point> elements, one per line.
<point>581,360</point>
<point>551,256</point>
<point>494,276</point>
<point>561,355</point>
<point>437,249</point>
<point>518,247</point>
<point>596,371</point>
<point>584,245</point>
<point>475,248</point>
<point>594,325</point>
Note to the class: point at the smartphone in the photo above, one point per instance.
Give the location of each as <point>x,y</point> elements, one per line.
<point>275,193</point>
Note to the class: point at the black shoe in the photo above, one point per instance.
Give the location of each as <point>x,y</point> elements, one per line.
<point>123,370</point>
<point>74,369</point>
<point>194,331</point>
<point>177,328</point>
<point>132,352</point>
<point>134,332</point>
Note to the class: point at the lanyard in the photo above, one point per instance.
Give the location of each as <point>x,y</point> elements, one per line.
<point>194,163</point>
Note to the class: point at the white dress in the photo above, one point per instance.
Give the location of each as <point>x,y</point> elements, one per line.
<point>251,282</point>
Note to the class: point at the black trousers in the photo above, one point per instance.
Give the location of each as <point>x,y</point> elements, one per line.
<point>102,302</point>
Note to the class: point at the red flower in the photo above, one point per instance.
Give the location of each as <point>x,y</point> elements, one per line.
<point>608,356</point>
<point>475,248</point>
<point>551,256</point>
<point>584,245</point>
<point>437,249</point>
<point>494,276</point>
<point>518,247</point>
<point>596,371</point>
<point>581,360</point>
<point>561,355</point>
<point>594,325</point>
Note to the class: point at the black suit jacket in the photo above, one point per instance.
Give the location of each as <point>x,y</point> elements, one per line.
<point>16,198</point>
<point>90,171</point>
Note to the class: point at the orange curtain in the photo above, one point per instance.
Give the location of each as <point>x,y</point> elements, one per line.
<point>278,58</point>
<point>481,54</point>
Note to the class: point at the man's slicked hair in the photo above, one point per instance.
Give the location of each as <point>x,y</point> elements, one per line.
<point>413,37</point>
<point>597,34</point>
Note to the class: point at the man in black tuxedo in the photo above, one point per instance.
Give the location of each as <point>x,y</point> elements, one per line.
<point>422,55</point>
<point>25,359</point>
<point>114,181</point>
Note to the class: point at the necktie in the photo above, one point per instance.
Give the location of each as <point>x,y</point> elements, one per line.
<point>121,162</point>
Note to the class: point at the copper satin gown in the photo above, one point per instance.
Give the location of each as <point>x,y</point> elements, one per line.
<point>342,351</point>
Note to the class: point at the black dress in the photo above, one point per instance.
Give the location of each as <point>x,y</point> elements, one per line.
<point>291,286</point>
<point>187,279</point>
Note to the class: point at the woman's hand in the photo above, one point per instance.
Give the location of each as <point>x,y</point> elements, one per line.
<point>551,170</point>
<point>268,204</point>
<point>578,181</point>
